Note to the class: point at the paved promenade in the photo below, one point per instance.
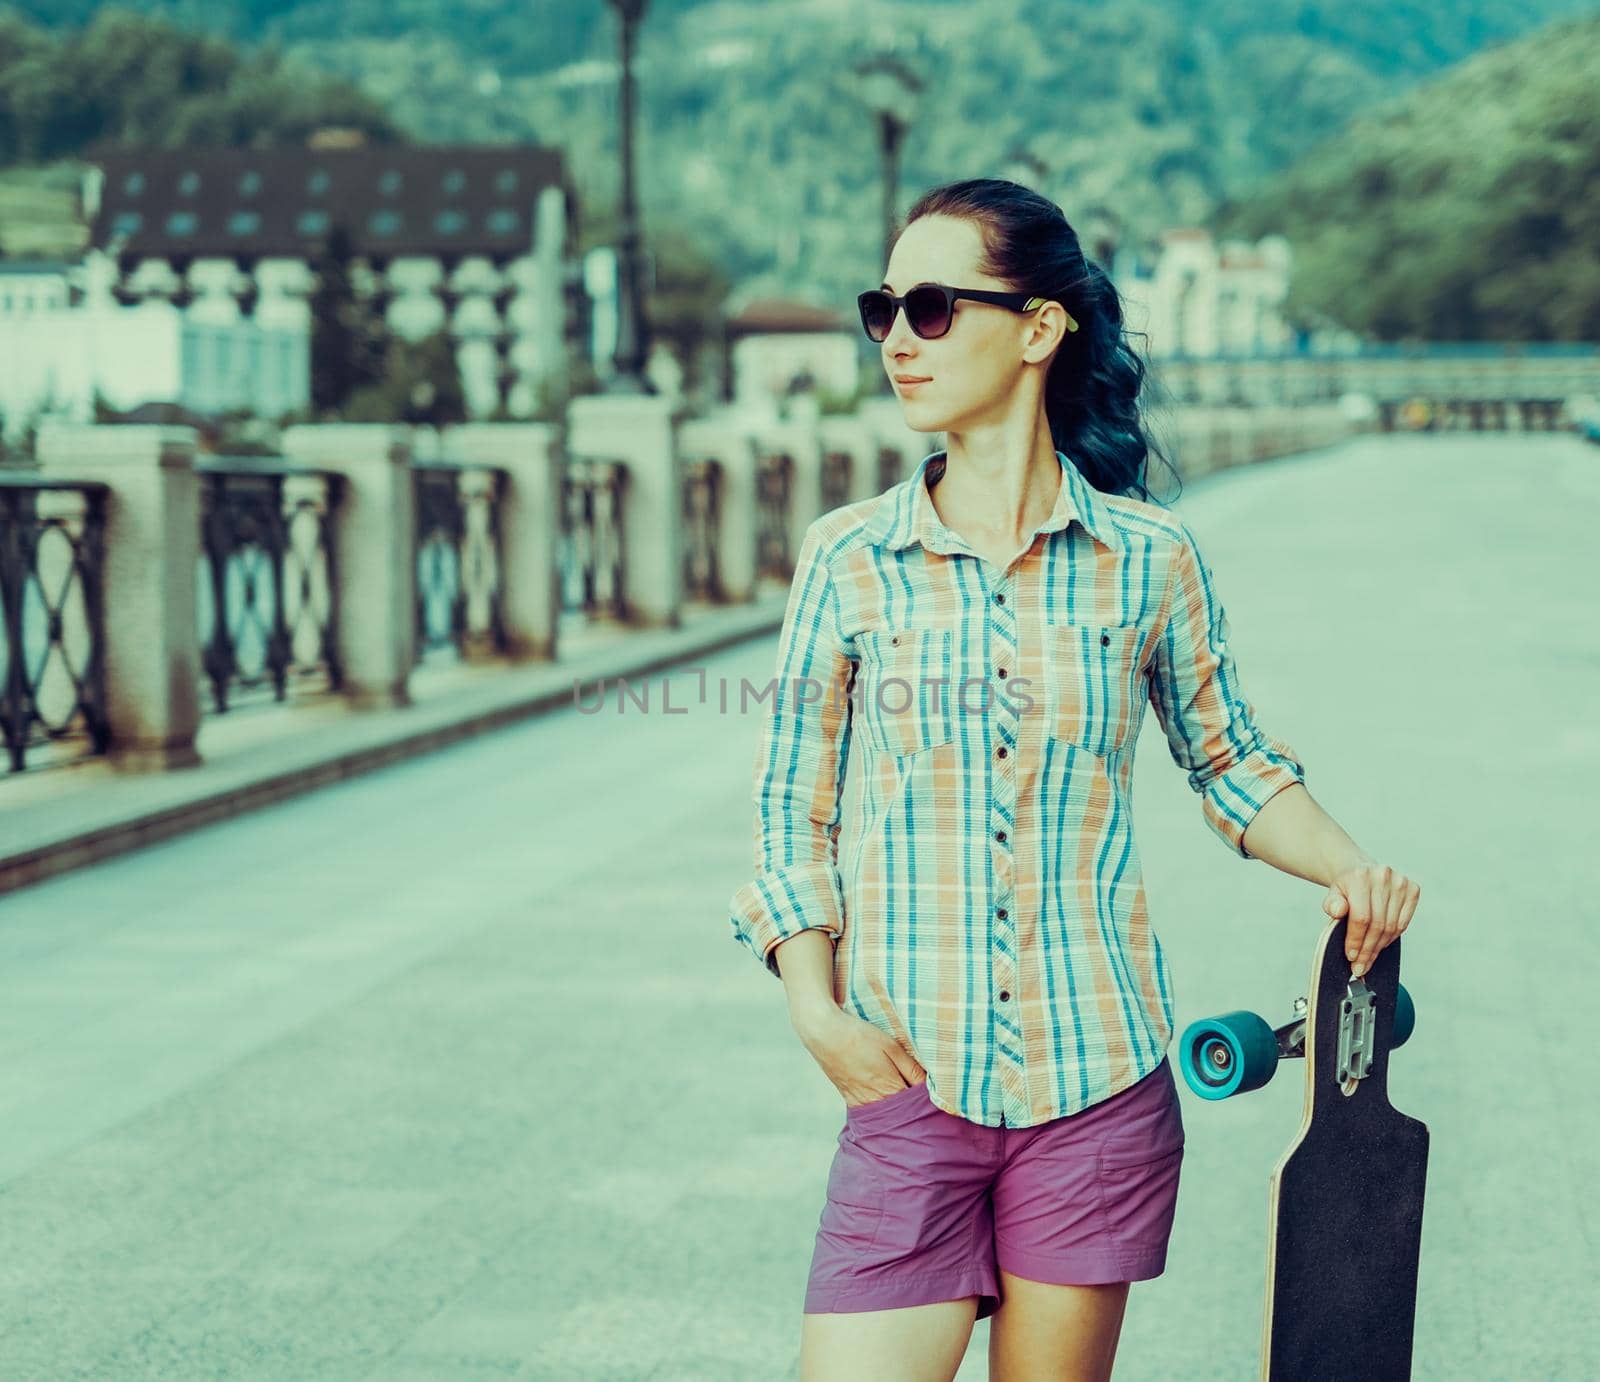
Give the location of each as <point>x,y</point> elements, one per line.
<point>451,1070</point>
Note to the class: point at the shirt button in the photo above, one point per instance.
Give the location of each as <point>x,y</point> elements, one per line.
<point>1000,835</point>
<point>1001,673</point>
<point>999,599</point>
<point>1004,995</point>
<point>1000,752</point>
<point>1105,640</point>
<point>895,639</point>
<point>998,911</point>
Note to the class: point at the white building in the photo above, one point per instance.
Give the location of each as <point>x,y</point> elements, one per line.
<point>1200,297</point>
<point>475,240</point>
<point>64,338</point>
<point>777,346</point>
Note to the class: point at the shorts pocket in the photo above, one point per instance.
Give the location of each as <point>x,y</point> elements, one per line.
<point>911,1094</point>
<point>906,689</point>
<point>1139,1170</point>
<point>1091,676</point>
<point>855,1184</point>
<point>1139,1195</point>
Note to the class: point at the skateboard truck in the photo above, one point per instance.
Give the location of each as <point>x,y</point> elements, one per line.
<point>1356,1015</point>
<point>1236,1052</point>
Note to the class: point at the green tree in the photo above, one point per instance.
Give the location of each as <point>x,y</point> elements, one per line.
<point>1463,211</point>
<point>125,77</point>
<point>421,384</point>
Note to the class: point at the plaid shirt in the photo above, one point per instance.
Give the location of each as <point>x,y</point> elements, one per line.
<point>991,917</point>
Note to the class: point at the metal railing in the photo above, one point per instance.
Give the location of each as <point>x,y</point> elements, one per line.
<point>774,478</point>
<point>266,600</point>
<point>592,539</point>
<point>835,479</point>
<point>52,627</point>
<point>459,560</point>
<point>702,507</point>
<point>888,468</point>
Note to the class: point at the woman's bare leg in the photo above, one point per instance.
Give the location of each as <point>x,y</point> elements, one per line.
<point>1048,1333</point>
<point>917,1343</point>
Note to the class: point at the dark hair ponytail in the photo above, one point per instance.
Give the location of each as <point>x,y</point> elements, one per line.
<point>1092,392</point>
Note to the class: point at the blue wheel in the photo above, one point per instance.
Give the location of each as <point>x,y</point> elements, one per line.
<point>1405,1018</point>
<point>1227,1055</point>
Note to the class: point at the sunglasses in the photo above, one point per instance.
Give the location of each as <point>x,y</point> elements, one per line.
<point>930,308</point>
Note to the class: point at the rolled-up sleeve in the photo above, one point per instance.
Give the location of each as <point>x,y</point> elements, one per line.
<point>800,771</point>
<point>1209,722</point>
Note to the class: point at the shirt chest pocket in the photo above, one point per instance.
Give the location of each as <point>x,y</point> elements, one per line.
<point>901,707</point>
<point>1092,684</point>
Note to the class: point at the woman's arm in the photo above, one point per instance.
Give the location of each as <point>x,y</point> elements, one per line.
<point>799,778</point>
<point>1293,833</point>
<point>1252,785</point>
<point>1210,724</point>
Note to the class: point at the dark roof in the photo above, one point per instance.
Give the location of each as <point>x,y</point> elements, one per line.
<point>763,316</point>
<point>445,200</point>
<point>170,412</point>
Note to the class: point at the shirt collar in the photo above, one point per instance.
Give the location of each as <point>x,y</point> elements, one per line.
<point>905,513</point>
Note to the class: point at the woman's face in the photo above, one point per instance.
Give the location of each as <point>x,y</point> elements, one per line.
<point>974,368</point>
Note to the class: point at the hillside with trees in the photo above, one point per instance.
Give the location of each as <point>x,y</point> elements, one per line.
<point>1468,210</point>
<point>756,156</point>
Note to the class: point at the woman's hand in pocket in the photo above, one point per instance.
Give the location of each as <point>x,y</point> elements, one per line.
<point>864,1062</point>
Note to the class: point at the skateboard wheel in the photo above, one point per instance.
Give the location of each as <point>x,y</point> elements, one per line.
<point>1405,1017</point>
<point>1225,1055</point>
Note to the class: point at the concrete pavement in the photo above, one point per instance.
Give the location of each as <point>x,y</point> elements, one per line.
<point>452,1069</point>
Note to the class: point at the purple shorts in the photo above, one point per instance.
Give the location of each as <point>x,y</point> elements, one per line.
<point>924,1205</point>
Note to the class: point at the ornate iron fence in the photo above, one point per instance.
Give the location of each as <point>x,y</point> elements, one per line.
<point>702,508</point>
<point>52,622</point>
<point>835,479</point>
<point>265,594</point>
<point>888,468</point>
<point>774,478</point>
<point>459,559</point>
<point>592,539</point>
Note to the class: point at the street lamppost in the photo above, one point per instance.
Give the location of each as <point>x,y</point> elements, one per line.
<point>633,328</point>
<point>890,90</point>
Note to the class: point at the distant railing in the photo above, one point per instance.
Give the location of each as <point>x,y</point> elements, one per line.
<point>459,560</point>
<point>702,489</point>
<point>592,538</point>
<point>1473,415</point>
<point>1394,350</point>
<point>888,468</point>
<point>265,600</point>
<point>774,478</point>
<point>52,634</point>
<point>1446,374</point>
<point>835,479</point>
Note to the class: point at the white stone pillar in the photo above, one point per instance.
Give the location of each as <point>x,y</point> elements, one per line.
<point>374,556</point>
<point>724,439</point>
<point>855,436</point>
<point>534,458</point>
<point>887,419</point>
<point>802,443</point>
<point>640,430</point>
<point>152,643</point>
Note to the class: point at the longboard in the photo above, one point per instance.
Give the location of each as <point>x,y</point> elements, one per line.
<point>1344,1202</point>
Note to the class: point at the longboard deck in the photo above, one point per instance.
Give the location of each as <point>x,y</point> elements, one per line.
<point>1344,1230</point>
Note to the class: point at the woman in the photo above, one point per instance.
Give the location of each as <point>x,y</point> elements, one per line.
<point>996,1011</point>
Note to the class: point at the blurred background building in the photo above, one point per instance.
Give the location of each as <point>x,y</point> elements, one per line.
<point>468,240</point>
